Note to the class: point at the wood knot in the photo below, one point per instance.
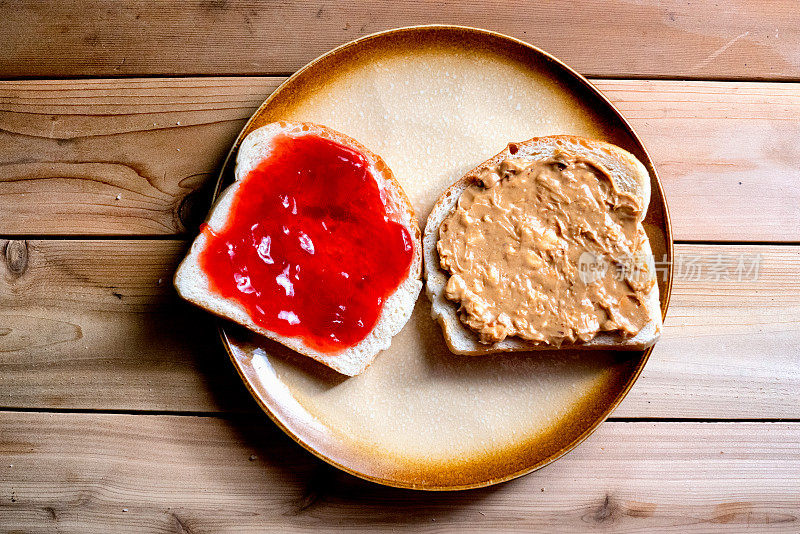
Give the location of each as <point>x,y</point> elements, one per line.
<point>193,208</point>
<point>16,254</point>
<point>320,485</point>
<point>605,513</point>
<point>181,526</point>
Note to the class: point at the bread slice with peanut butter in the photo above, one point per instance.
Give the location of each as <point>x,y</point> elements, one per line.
<point>541,247</point>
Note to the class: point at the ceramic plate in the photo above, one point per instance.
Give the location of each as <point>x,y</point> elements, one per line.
<point>434,101</point>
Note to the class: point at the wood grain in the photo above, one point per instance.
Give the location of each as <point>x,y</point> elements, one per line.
<point>94,324</point>
<point>98,473</point>
<point>726,154</point>
<point>97,324</point>
<point>111,157</point>
<point>135,157</point>
<point>736,39</point>
<point>730,347</point>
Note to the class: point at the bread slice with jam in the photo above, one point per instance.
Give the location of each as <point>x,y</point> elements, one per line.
<point>317,299</point>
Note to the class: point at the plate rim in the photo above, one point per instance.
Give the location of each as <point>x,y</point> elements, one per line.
<point>664,296</point>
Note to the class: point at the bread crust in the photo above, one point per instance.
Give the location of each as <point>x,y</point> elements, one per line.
<point>192,283</point>
<point>628,174</point>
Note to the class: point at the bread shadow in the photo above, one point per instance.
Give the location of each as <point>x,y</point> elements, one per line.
<point>441,361</point>
<point>248,342</point>
<point>425,334</point>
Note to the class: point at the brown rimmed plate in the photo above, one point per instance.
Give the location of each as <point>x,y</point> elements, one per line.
<point>434,101</point>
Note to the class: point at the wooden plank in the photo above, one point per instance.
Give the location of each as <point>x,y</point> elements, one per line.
<point>729,347</point>
<point>725,152</point>
<point>116,157</point>
<point>86,324</point>
<point>135,157</point>
<point>96,324</point>
<point>98,473</point>
<point>736,39</point>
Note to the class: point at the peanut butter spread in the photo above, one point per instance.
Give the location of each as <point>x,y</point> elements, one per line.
<point>548,251</point>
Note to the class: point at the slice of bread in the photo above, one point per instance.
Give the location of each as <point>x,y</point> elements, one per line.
<point>628,174</point>
<point>193,285</point>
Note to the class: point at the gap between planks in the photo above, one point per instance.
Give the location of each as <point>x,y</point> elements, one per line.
<point>247,414</point>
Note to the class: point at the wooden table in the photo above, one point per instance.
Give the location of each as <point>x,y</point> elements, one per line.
<point>120,412</point>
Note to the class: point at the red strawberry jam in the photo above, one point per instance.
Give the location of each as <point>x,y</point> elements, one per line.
<point>309,249</point>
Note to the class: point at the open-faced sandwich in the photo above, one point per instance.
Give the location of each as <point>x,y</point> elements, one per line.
<point>315,245</point>
<point>542,246</point>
